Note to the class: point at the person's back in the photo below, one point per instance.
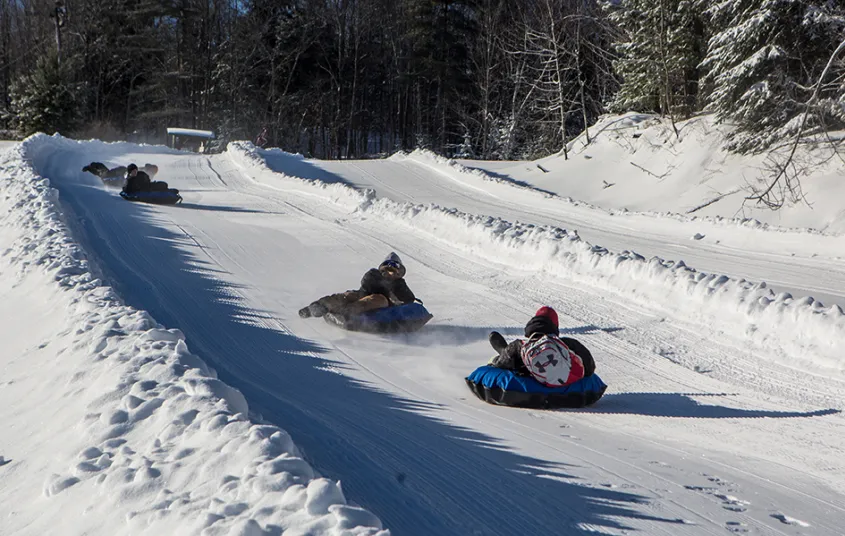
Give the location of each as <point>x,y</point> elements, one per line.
<point>136,181</point>
<point>544,322</point>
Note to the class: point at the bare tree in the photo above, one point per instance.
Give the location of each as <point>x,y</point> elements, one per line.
<point>784,183</point>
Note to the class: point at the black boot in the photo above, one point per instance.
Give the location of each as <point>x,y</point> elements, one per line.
<point>318,309</point>
<point>497,341</point>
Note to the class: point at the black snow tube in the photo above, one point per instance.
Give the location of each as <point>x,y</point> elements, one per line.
<point>159,197</point>
<point>506,388</point>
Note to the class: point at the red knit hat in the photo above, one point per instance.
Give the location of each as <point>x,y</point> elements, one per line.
<point>549,313</point>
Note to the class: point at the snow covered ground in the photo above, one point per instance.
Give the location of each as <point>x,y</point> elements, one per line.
<point>723,412</point>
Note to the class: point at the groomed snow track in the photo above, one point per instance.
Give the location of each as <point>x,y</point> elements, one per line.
<point>700,431</point>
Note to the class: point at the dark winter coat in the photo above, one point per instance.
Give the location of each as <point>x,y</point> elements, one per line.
<point>395,290</point>
<point>511,357</point>
<point>139,183</point>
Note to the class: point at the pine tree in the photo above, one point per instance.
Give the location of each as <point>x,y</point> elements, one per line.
<point>440,33</point>
<point>46,100</point>
<point>763,63</point>
<point>660,45</point>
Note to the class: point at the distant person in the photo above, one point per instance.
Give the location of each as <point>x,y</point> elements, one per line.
<point>380,287</point>
<point>541,350</point>
<point>261,139</point>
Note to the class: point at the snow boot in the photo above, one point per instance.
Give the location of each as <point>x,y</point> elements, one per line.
<point>318,309</point>
<point>497,341</point>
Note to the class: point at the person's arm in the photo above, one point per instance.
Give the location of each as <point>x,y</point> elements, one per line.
<point>371,283</point>
<point>583,353</point>
<point>403,292</point>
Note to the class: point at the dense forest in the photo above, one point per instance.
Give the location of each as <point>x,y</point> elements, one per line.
<point>493,79</point>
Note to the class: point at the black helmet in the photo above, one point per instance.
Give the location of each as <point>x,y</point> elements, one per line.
<point>131,167</point>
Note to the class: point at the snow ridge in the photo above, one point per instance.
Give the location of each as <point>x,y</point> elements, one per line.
<point>459,171</point>
<point>795,331</point>
<point>170,446</point>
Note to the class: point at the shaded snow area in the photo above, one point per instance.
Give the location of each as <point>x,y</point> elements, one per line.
<point>157,378</point>
<point>111,424</point>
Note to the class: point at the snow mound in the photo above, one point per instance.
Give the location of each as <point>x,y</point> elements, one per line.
<point>126,430</point>
<point>796,331</point>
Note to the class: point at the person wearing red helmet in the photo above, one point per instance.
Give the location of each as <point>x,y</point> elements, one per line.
<point>544,322</point>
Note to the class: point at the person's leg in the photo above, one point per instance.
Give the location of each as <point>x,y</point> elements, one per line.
<point>333,303</point>
<point>367,303</point>
<point>510,355</point>
<point>497,341</point>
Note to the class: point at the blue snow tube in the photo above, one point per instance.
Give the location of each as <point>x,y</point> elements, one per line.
<point>506,388</point>
<point>396,319</point>
<point>160,197</point>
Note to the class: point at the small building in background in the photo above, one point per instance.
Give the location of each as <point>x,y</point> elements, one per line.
<point>189,139</point>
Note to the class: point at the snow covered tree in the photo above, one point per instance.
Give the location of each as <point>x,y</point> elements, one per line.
<point>762,65</point>
<point>439,33</point>
<point>660,45</point>
<point>45,100</point>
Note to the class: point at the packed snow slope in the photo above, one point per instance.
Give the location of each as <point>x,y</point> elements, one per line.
<point>724,406</point>
<point>799,261</point>
<point>636,162</point>
<point>110,424</point>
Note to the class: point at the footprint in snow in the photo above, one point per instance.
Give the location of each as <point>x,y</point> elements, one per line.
<point>785,519</point>
<point>736,526</point>
<point>734,504</point>
<point>705,489</point>
<point>719,481</point>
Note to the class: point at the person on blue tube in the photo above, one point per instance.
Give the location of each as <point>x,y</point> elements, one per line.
<point>380,287</point>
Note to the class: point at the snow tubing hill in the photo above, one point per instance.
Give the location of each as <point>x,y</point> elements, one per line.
<point>159,197</point>
<point>506,388</point>
<point>397,319</point>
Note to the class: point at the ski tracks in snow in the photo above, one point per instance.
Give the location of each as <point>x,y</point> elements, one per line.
<point>392,417</point>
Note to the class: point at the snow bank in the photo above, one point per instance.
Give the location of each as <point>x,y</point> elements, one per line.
<point>637,162</point>
<point>246,155</point>
<point>112,426</point>
<point>468,176</point>
<point>798,332</point>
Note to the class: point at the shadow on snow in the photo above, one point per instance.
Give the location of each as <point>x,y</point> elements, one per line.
<point>685,405</point>
<point>419,474</point>
<point>296,166</point>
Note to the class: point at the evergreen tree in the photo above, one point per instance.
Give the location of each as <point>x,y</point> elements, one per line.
<point>46,99</point>
<point>763,63</point>
<point>440,33</point>
<point>660,45</point>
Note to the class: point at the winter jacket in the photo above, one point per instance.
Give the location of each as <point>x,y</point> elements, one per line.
<point>139,183</point>
<point>395,290</point>
<point>511,357</point>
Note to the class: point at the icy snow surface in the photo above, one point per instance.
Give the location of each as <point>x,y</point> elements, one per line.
<point>723,412</point>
